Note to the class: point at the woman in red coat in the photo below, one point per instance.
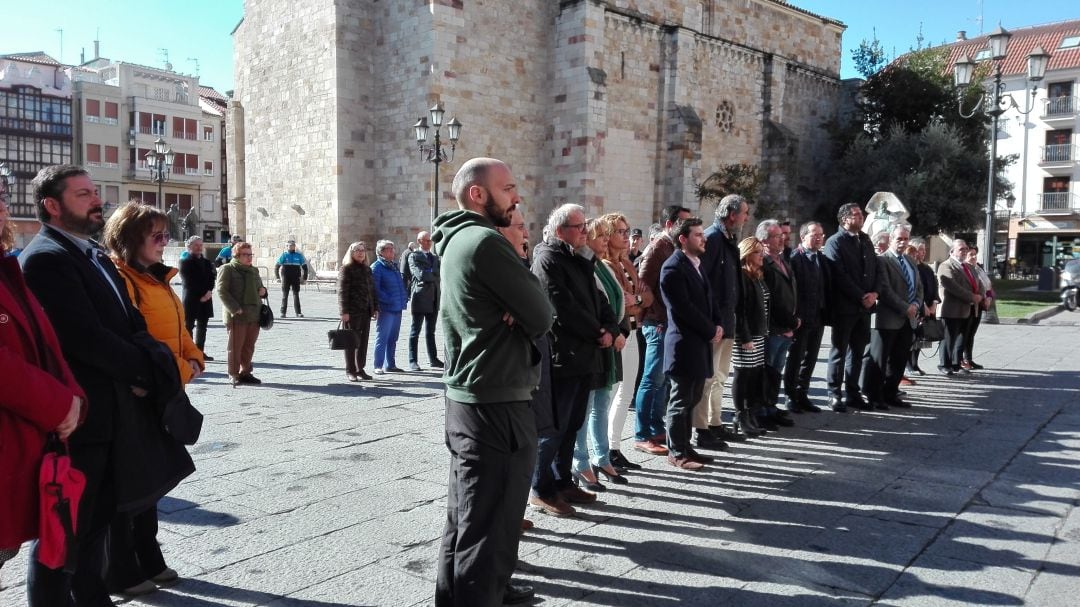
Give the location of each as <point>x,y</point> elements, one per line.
<point>38,395</point>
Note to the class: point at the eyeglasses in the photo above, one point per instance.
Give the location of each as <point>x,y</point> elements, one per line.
<point>574,226</point>
<point>161,237</point>
<point>361,250</point>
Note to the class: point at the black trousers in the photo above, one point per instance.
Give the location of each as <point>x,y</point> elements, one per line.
<point>952,347</point>
<point>685,394</point>
<point>356,358</point>
<point>555,449</point>
<point>134,554</point>
<point>969,334</point>
<point>286,285</point>
<point>850,334</point>
<point>52,587</point>
<point>492,451</point>
<point>748,387</point>
<point>883,367</point>
<point>429,336</point>
<point>801,360</point>
<point>196,327</point>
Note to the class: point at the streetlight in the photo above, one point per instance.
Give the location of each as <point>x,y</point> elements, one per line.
<point>997,103</point>
<point>435,153</point>
<point>160,163</point>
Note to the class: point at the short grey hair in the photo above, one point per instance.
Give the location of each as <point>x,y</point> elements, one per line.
<point>192,240</point>
<point>762,231</point>
<point>880,236</point>
<point>729,205</point>
<point>560,216</point>
<point>918,241</point>
<point>382,245</point>
<point>806,227</point>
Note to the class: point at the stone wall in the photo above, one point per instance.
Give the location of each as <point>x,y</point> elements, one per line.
<point>616,105</point>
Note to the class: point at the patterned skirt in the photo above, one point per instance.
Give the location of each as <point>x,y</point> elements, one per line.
<point>745,359</point>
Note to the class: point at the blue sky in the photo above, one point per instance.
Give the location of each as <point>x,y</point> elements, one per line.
<point>134,31</point>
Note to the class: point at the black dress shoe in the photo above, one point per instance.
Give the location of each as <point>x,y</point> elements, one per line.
<point>806,405</point>
<point>697,457</point>
<point>721,432</point>
<point>363,374</point>
<point>207,357</point>
<point>879,405</point>
<point>766,423</point>
<point>707,440</point>
<point>437,364</point>
<point>793,406</point>
<point>857,402</point>
<point>899,402</point>
<point>836,404</point>
<point>517,593</point>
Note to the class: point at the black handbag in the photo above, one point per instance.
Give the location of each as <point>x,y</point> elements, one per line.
<point>342,338</point>
<point>181,419</point>
<point>266,315</point>
<point>930,330</point>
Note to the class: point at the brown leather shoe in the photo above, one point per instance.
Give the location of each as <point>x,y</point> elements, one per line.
<point>701,459</point>
<point>577,495</point>
<point>554,507</point>
<point>526,524</point>
<point>685,463</point>
<point>651,447</point>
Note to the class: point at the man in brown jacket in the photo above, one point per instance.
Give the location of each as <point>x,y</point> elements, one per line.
<point>959,296</point>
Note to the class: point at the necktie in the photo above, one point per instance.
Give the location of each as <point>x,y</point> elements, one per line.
<point>908,278</point>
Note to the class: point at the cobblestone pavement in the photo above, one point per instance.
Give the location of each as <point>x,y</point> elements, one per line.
<point>312,491</point>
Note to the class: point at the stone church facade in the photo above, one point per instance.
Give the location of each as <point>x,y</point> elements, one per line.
<point>617,105</point>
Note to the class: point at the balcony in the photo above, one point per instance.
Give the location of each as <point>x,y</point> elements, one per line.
<point>1058,203</point>
<point>1059,108</point>
<point>1058,156</point>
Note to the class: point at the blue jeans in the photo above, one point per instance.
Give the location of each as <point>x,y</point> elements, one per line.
<point>592,440</point>
<point>387,326</point>
<point>776,351</point>
<point>650,402</point>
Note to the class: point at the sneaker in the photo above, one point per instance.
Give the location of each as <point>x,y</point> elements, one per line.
<point>555,506</point>
<point>414,367</point>
<point>378,371</point>
<point>650,447</point>
<point>299,315</point>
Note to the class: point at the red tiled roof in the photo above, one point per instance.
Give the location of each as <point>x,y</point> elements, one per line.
<point>1023,41</point>
<point>40,57</point>
<point>211,93</point>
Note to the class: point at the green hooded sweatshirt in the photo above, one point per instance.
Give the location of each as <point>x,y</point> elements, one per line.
<point>483,279</point>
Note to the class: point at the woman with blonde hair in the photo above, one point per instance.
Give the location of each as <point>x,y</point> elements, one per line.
<point>751,329</point>
<point>136,236</point>
<point>357,306</point>
<point>637,297</point>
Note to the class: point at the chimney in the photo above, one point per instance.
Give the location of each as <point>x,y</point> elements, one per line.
<point>97,49</point>
<point>961,35</point>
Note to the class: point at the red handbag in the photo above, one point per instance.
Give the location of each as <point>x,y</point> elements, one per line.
<point>61,490</point>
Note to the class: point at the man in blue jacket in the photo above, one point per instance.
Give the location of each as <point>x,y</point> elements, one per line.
<point>292,270</point>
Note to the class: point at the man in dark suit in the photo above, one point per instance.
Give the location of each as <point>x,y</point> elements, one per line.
<point>424,270</point>
<point>853,270</point>
<point>893,323</point>
<point>811,276</point>
<point>783,319</point>
<point>197,275</point>
<point>87,302</point>
<point>720,267</point>
<point>692,331</point>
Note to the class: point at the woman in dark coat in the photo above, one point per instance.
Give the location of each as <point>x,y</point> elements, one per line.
<point>45,398</point>
<point>751,328</point>
<point>197,274</point>
<point>357,305</point>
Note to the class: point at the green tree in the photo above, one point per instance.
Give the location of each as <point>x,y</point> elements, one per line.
<point>744,179</point>
<point>869,57</point>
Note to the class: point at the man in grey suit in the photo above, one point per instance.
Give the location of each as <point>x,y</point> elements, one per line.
<point>893,322</point>
<point>424,292</point>
<point>959,296</point>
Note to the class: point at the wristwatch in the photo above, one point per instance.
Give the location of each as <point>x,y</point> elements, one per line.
<point>638,299</point>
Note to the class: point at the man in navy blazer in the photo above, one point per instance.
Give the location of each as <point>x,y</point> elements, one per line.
<point>692,331</point>
<point>812,277</point>
<point>853,269</point>
<point>87,302</point>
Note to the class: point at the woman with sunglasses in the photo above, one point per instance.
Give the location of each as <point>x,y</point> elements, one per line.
<point>136,236</point>
<point>357,305</point>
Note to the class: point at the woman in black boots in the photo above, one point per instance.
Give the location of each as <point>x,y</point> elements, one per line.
<point>751,330</point>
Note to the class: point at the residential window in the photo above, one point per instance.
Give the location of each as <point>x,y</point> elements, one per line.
<point>1070,42</point>
<point>208,133</point>
<point>111,194</point>
<point>982,55</point>
<point>159,125</point>
<point>112,156</point>
<point>149,198</point>
<point>192,164</point>
<point>208,167</point>
<point>178,127</point>
<point>191,129</point>
<point>112,113</point>
<point>93,154</point>
<point>93,110</point>
<point>183,201</point>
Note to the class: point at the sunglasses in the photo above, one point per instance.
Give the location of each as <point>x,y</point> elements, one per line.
<point>161,237</point>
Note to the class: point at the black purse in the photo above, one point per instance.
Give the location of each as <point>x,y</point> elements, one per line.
<point>181,419</point>
<point>266,315</point>
<point>930,330</point>
<point>342,338</point>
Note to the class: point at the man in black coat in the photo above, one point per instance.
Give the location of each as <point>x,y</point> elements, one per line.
<point>584,325</point>
<point>853,270</point>
<point>87,302</point>
<point>812,277</point>
<point>693,329</point>
<point>197,275</point>
<point>783,319</point>
<point>424,291</point>
<point>720,267</point>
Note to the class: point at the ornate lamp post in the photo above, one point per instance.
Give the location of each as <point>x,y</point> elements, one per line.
<point>160,162</point>
<point>434,152</point>
<point>997,102</point>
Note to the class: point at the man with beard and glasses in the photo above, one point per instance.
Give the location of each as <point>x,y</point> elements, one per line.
<point>87,301</point>
<point>492,310</point>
